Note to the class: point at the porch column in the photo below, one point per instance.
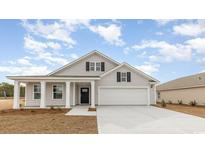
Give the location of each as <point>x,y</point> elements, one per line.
<point>155,97</point>
<point>25,97</point>
<point>92,94</point>
<point>16,100</point>
<point>73,94</point>
<point>43,94</point>
<point>67,94</point>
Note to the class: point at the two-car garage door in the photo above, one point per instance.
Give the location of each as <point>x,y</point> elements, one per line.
<point>123,96</point>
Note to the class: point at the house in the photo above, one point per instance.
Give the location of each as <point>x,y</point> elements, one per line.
<point>185,89</point>
<point>93,79</point>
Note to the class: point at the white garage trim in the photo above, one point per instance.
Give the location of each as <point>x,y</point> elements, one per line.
<point>125,87</point>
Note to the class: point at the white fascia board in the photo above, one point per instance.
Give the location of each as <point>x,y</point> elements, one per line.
<point>49,78</point>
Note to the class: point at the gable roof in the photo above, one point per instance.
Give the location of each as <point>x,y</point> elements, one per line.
<point>132,68</point>
<point>196,80</point>
<point>81,58</point>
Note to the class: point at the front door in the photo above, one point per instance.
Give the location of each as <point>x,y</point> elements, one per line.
<point>84,95</point>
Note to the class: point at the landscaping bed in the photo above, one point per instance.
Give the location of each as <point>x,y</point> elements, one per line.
<point>188,109</point>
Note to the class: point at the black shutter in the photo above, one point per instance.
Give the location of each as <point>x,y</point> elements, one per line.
<point>118,77</point>
<point>87,66</point>
<point>102,66</point>
<point>128,76</point>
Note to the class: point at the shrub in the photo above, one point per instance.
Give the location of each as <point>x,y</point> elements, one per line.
<point>52,107</point>
<point>180,102</point>
<point>193,103</point>
<point>170,102</point>
<point>163,103</point>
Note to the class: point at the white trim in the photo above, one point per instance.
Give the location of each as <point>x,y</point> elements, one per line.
<point>148,96</point>
<point>81,58</point>
<point>131,67</point>
<point>16,100</point>
<point>155,94</point>
<point>79,96</point>
<point>67,94</point>
<point>26,86</point>
<point>92,94</point>
<point>39,78</point>
<point>95,66</point>
<point>62,91</point>
<point>43,95</point>
<point>122,77</point>
<point>125,87</point>
<point>34,99</point>
<point>90,66</point>
<point>74,101</point>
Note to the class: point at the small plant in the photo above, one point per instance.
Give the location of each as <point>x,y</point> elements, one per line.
<point>193,103</point>
<point>163,103</point>
<point>180,102</point>
<point>170,102</point>
<point>52,107</point>
<point>32,110</point>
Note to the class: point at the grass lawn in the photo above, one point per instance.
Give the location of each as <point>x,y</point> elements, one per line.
<point>193,110</point>
<point>43,121</point>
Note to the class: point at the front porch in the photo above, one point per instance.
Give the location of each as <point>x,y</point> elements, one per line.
<point>47,93</point>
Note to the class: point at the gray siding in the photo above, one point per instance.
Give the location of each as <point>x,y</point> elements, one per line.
<point>136,80</point>
<point>78,69</point>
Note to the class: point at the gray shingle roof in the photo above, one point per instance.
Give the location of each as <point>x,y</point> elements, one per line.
<point>196,80</point>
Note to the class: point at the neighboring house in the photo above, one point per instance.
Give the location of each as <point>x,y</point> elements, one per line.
<point>93,79</point>
<point>187,89</point>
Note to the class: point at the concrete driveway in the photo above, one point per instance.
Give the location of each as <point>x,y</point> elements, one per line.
<point>146,119</point>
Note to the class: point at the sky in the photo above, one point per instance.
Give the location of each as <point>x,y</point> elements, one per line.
<point>164,49</point>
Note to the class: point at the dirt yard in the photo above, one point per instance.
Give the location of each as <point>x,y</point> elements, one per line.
<point>193,110</point>
<point>43,121</point>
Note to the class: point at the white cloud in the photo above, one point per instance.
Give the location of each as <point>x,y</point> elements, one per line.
<point>126,50</point>
<point>198,44</point>
<point>163,22</point>
<point>159,33</point>
<point>166,52</point>
<point>54,31</point>
<point>190,29</point>
<point>111,33</point>
<point>61,30</point>
<point>201,61</point>
<point>24,61</point>
<point>24,70</point>
<point>74,56</point>
<point>39,49</point>
<point>148,67</point>
<point>54,45</point>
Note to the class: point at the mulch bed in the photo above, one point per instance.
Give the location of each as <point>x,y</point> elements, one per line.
<point>188,109</point>
<point>91,109</point>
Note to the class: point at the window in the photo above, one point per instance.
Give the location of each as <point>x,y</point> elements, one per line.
<point>158,95</point>
<point>58,91</point>
<point>37,91</point>
<point>92,66</point>
<point>124,77</point>
<point>98,66</point>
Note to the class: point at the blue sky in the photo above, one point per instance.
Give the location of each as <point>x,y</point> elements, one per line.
<point>165,49</point>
